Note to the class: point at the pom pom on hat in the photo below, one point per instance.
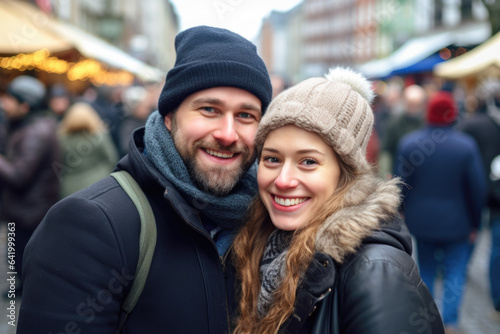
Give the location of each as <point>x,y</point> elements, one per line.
<point>354,79</point>
<point>336,107</point>
<point>441,109</point>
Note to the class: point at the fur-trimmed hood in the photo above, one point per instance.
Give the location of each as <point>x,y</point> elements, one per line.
<point>370,204</point>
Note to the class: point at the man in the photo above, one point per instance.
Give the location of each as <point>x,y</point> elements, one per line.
<point>414,98</point>
<point>193,161</point>
<point>443,200</point>
<point>484,127</point>
<point>59,100</point>
<point>28,182</point>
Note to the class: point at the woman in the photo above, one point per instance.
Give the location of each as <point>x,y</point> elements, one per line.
<point>324,250</point>
<point>88,152</point>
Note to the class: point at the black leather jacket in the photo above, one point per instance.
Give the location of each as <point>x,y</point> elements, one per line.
<point>379,290</point>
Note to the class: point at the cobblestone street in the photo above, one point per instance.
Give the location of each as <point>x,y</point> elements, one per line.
<point>477,305</point>
<point>475,312</point>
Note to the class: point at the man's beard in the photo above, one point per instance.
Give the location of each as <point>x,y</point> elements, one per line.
<point>218,180</point>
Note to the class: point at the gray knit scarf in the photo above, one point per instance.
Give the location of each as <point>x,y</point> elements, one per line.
<point>223,211</point>
<point>272,267</point>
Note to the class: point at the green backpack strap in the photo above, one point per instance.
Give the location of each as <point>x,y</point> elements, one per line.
<point>147,242</point>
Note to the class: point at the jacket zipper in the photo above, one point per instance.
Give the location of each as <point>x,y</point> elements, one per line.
<point>222,259</point>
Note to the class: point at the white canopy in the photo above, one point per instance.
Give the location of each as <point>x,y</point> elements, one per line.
<point>419,48</point>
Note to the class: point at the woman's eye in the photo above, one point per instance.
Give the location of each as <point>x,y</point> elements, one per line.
<point>309,162</point>
<point>272,160</point>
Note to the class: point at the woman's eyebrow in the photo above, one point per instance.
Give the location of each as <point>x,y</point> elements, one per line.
<point>303,151</point>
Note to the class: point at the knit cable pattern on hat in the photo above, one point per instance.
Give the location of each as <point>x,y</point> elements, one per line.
<point>336,107</point>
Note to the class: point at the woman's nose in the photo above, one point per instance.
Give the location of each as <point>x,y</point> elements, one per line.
<point>286,178</point>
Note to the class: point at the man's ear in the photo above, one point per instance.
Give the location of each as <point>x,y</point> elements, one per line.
<point>168,121</point>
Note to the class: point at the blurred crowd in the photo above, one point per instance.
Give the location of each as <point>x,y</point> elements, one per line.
<point>92,128</point>
<point>443,142</point>
<point>54,143</point>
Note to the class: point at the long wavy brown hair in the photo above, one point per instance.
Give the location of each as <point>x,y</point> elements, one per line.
<point>248,250</point>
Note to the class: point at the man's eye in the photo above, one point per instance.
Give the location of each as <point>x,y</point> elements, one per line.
<point>248,117</point>
<point>208,109</point>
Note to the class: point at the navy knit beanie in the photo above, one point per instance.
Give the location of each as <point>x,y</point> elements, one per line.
<point>210,57</point>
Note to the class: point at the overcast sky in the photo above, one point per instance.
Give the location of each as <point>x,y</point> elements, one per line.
<point>241,16</point>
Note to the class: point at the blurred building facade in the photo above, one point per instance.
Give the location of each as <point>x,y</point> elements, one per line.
<point>379,37</point>
<point>280,43</point>
<point>145,29</point>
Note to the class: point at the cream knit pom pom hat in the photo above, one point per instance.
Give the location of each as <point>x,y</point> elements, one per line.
<point>336,107</point>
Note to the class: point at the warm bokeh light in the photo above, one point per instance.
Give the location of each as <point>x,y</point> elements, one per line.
<point>445,54</point>
<point>460,51</point>
<point>88,69</point>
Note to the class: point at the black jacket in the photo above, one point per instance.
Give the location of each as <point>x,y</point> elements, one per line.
<point>80,263</point>
<point>486,131</point>
<point>366,261</point>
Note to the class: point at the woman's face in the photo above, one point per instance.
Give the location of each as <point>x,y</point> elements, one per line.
<point>297,173</point>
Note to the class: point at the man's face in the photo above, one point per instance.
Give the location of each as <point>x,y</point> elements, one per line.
<point>214,131</point>
<point>12,108</point>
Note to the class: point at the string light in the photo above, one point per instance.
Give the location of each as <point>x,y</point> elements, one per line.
<point>88,69</point>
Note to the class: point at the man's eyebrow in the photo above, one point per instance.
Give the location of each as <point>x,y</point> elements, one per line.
<point>208,100</point>
<point>248,106</point>
<point>219,102</point>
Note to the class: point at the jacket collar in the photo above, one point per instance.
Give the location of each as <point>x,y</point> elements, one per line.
<point>371,205</point>
<point>367,217</point>
<point>151,180</point>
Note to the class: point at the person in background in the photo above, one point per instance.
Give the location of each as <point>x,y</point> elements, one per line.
<point>412,118</point>
<point>279,83</point>
<point>324,249</point>
<point>106,101</point>
<point>3,130</point>
<point>59,100</point>
<point>443,199</point>
<point>135,111</point>
<point>195,162</point>
<point>484,127</point>
<point>373,150</point>
<point>29,185</point>
<point>87,151</point>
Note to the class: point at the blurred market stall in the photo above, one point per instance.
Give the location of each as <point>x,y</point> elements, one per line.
<point>482,61</point>
<point>423,53</point>
<point>34,41</point>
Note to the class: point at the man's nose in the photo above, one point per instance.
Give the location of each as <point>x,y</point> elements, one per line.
<point>226,132</point>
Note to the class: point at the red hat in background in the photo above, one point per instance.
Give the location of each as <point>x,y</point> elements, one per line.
<point>441,109</point>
